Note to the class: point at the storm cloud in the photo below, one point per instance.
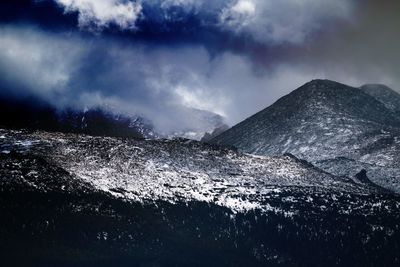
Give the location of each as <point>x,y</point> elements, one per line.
<point>156,58</point>
<point>260,20</point>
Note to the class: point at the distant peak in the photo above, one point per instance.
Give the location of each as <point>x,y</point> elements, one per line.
<point>318,87</point>
<point>313,81</point>
<point>380,90</point>
<point>375,86</point>
<point>389,97</point>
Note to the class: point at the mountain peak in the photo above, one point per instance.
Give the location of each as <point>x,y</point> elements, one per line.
<point>323,120</point>
<point>325,98</point>
<point>321,108</point>
<point>322,86</point>
<point>322,82</point>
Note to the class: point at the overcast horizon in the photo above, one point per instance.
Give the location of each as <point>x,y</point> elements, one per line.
<point>158,57</point>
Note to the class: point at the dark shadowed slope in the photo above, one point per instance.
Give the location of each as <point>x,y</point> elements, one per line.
<point>106,120</point>
<point>32,113</point>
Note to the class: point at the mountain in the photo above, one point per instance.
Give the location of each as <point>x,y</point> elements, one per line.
<point>99,122</point>
<point>200,123</point>
<point>389,97</point>
<point>78,200</point>
<point>217,131</point>
<point>323,122</point>
<point>146,170</point>
<point>103,120</point>
<point>32,113</point>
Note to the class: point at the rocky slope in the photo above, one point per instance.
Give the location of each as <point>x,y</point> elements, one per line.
<point>73,200</point>
<point>324,120</point>
<point>171,170</point>
<point>389,97</point>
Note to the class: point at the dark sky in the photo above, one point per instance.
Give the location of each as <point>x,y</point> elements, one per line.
<point>158,57</point>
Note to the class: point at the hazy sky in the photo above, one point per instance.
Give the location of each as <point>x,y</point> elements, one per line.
<point>157,57</point>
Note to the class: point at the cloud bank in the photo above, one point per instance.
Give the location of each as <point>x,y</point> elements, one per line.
<point>156,58</point>
<point>261,20</point>
<point>156,82</point>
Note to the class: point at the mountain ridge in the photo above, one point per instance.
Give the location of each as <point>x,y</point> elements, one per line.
<point>323,120</point>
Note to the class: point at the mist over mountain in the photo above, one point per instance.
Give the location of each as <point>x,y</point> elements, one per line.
<point>33,113</point>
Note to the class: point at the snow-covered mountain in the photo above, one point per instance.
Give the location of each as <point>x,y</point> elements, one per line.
<point>76,200</point>
<point>325,121</point>
<point>179,169</point>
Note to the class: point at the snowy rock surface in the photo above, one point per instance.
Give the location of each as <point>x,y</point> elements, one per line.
<point>325,120</point>
<point>177,170</point>
<point>74,200</point>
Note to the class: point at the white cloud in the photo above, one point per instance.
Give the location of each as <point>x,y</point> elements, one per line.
<point>266,21</point>
<point>102,13</point>
<point>244,7</point>
<point>284,20</point>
